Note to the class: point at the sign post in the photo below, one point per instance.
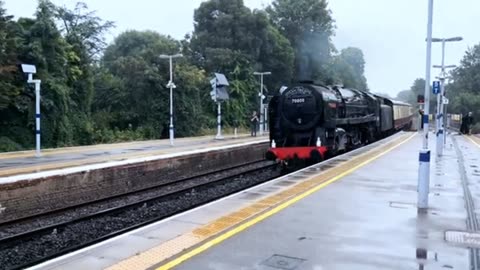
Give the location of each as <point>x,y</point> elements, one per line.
<point>437,89</point>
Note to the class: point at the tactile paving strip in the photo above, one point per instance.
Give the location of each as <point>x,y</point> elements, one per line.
<point>471,239</point>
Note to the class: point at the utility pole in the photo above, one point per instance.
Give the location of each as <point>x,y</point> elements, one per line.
<point>171,85</point>
<point>424,155</point>
<point>262,97</point>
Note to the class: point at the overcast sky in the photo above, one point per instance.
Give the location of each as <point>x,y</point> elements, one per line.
<point>391,33</point>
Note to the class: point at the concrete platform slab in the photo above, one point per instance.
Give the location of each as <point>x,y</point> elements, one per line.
<point>367,220</point>
<point>181,232</point>
<point>61,179</point>
<point>18,163</point>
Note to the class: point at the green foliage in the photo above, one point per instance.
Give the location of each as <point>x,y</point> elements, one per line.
<point>476,128</point>
<point>308,25</point>
<point>464,92</point>
<point>418,88</point>
<point>349,68</point>
<point>9,89</point>
<point>228,35</point>
<point>94,93</point>
<point>7,145</point>
<point>406,96</point>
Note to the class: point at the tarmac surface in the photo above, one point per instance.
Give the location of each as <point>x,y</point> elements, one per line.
<point>368,220</point>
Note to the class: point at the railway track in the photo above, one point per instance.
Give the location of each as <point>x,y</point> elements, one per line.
<point>35,239</point>
<point>20,225</point>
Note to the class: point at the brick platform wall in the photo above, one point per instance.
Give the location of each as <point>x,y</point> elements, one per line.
<point>25,198</point>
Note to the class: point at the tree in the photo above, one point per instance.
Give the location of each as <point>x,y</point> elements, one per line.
<point>64,67</point>
<point>82,28</point>
<point>406,96</point>
<point>229,38</point>
<point>308,25</point>
<point>9,90</point>
<point>227,30</point>
<point>96,93</point>
<point>137,95</point>
<point>417,88</point>
<point>84,32</point>
<point>276,54</point>
<point>349,67</point>
<point>42,44</point>
<point>464,92</point>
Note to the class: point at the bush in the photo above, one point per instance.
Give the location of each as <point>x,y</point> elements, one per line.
<point>476,128</point>
<point>7,145</point>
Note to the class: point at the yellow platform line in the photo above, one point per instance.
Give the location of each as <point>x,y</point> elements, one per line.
<point>106,158</point>
<point>98,147</point>
<point>225,227</point>
<point>475,140</point>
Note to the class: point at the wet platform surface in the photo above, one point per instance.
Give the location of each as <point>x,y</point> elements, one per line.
<point>357,212</point>
<point>16,163</point>
<point>367,220</point>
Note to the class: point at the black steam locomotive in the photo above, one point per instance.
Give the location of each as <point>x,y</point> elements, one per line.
<point>311,121</point>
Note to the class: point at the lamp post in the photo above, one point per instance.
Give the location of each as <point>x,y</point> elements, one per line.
<point>30,70</point>
<point>424,155</point>
<point>440,108</point>
<point>262,113</point>
<point>171,85</point>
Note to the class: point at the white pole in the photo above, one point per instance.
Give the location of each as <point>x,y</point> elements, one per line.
<point>171,103</point>
<point>424,155</point>
<point>445,123</point>
<point>265,118</point>
<point>219,122</point>
<point>37,117</point>
<point>262,117</point>
<point>437,114</point>
<point>441,129</point>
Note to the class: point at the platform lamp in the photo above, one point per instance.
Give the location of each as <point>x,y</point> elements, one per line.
<point>444,103</point>
<point>30,70</point>
<point>440,98</point>
<point>262,97</point>
<point>171,85</point>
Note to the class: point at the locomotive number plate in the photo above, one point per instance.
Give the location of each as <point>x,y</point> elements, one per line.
<point>298,100</point>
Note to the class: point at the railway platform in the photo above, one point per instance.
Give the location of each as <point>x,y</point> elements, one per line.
<point>25,162</point>
<point>356,211</point>
<point>73,176</point>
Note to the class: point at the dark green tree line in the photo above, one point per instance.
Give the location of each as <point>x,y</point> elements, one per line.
<point>462,87</point>
<point>94,92</point>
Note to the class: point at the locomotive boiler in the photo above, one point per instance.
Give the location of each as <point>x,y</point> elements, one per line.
<point>309,122</point>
